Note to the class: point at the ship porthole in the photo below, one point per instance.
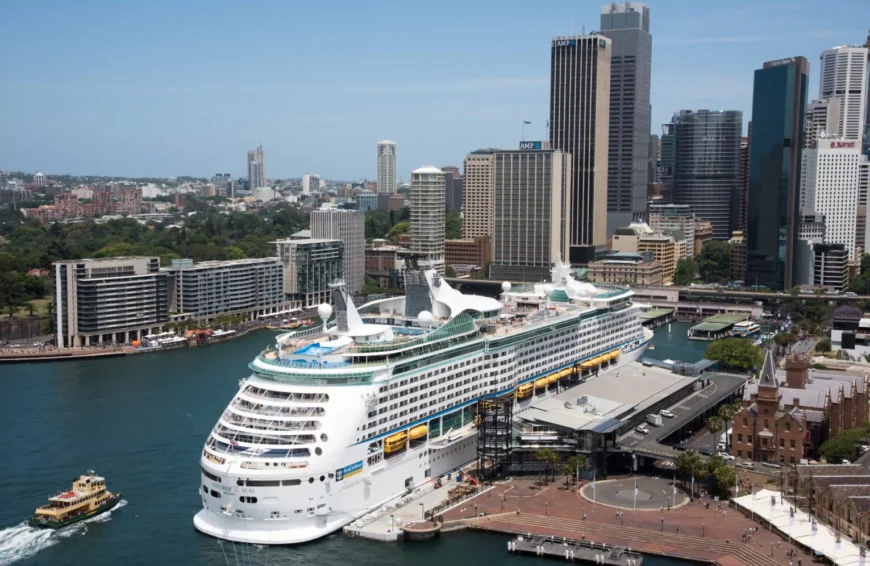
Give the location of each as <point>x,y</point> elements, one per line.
<point>310,480</point>
<point>323,437</point>
<point>322,478</point>
<point>318,451</point>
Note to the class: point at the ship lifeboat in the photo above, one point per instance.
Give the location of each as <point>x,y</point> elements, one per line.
<point>615,354</point>
<point>418,432</point>
<point>540,383</point>
<point>552,378</point>
<point>587,365</point>
<point>524,390</point>
<point>566,373</point>
<point>395,442</point>
<point>605,358</point>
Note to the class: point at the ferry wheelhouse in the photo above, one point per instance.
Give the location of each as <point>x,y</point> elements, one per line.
<point>340,419</point>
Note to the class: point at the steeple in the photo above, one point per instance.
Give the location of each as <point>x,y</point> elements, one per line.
<point>768,372</point>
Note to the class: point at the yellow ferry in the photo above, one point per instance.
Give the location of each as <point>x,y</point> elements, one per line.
<point>87,498</point>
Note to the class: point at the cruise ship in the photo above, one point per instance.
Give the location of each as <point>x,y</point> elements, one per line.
<point>338,420</point>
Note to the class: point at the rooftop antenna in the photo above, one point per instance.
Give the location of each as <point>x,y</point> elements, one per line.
<point>583,29</point>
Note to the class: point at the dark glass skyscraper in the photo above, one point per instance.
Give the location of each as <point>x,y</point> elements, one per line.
<point>706,159</point>
<point>627,25</point>
<point>779,98</point>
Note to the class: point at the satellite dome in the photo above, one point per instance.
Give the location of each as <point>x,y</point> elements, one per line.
<point>548,290</point>
<point>324,311</point>
<point>425,318</point>
<point>506,286</point>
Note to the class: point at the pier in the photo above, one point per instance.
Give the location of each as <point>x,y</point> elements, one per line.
<point>576,551</point>
<point>655,317</point>
<point>716,327</point>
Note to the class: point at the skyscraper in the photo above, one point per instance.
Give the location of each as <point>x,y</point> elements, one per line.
<point>478,194</point>
<point>778,101</point>
<point>627,25</point>
<point>707,165</point>
<point>310,183</point>
<point>822,116</point>
<point>530,219</point>
<point>454,183</point>
<point>387,167</point>
<point>844,75</point>
<point>742,200</point>
<point>427,216</point>
<point>256,168</point>
<point>349,227</point>
<point>580,126</point>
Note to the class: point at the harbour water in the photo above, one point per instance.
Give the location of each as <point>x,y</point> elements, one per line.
<point>141,421</point>
<point>671,342</point>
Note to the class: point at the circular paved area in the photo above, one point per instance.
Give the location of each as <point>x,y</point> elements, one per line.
<point>652,493</point>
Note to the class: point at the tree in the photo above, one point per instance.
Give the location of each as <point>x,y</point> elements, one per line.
<point>724,477</point>
<point>726,413</point>
<point>714,462</point>
<point>844,446</point>
<point>449,271</point>
<point>714,262</point>
<point>714,425</point>
<point>735,353</point>
<point>865,264</point>
<point>687,463</point>
<point>823,346</point>
<point>795,291</point>
<point>684,272</point>
<point>549,458</point>
<point>572,468</point>
<point>452,224</point>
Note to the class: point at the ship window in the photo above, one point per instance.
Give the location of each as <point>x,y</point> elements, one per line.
<point>318,451</point>
<point>290,482</point>
<point>205,490</point>
<point>215,494</point>
<point>263,483</point>
<point>211,476</point>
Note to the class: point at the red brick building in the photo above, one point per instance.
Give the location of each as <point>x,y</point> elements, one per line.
<point>785,422</point>
<point>473,251</point>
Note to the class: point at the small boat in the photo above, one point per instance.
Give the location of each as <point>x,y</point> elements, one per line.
<point>87,498</point>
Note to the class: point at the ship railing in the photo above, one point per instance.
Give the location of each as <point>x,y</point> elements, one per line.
<point>277,426</point>
<point>281,411</point>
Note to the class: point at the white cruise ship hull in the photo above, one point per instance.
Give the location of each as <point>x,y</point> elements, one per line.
<point>326,500</point>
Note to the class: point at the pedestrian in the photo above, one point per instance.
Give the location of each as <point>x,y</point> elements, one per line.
<point>584,516</point>
<point>678,530</point>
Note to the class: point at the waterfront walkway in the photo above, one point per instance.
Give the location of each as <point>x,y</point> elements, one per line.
<point>692,531</point>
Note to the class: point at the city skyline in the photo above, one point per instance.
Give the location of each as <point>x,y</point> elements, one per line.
<point>131,107</point>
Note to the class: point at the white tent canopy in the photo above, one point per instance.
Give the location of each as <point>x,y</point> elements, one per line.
<point>799,527</point>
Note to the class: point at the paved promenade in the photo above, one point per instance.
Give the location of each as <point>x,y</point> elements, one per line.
<point>691,530</point>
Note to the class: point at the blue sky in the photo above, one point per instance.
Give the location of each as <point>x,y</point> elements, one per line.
<point>162,88</point>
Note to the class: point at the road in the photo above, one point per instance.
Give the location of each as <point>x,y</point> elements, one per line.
<point>803,347</point>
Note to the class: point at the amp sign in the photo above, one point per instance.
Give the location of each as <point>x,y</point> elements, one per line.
<point>531,145</point>
<point>842,144</point>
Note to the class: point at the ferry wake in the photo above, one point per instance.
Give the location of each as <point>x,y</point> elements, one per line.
<point>339,419</point>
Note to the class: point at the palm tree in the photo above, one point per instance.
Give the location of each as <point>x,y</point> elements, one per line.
<point>573,467</point>
<point>548,457</point>
<point>714,425</point>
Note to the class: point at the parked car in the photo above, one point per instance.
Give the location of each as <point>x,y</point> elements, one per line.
<point>667,413</point>
<point>641,429</point>
<point>681,447</point>
<point>726,455</point>
<point>745,464</point>
<point>706,452</point>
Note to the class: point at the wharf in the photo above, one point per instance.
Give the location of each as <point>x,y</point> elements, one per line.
<point>653,318</point>
<point>716,327</point>
<point>576,550</point>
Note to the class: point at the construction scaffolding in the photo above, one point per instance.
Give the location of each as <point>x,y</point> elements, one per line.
<point>495,426</point>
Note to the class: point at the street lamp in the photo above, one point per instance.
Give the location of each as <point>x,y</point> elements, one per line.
<point>422,511</point>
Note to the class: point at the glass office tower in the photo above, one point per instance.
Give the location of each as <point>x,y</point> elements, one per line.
<point>779,98</point>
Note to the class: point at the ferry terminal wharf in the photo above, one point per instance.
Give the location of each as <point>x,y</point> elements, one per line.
<point>575,550</point>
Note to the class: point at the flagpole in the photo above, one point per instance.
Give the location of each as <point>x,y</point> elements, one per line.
<point>635,494</point>
<point>594,493</point>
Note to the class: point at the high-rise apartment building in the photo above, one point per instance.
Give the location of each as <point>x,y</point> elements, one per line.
<point>653,154</point>
<point>844,76</point>
<point>349,227</point>
<point>478,190</point>
<point>669,218</point>
<point>742,201</point>
<point>108,300</point>
<point>822,117</point>
<point>427,216</point>
<point>310,183</point>
<point>532,194</point>
<point>627,26</point>
<point>39,180</point>
<point>251,287</point>
<point>707,165</point>
<point>454,184</point>
<point>256,168</point>
<point>309,267</point>
<point>580,126</point>
<point>387,181</point>
<point>778,102</point>
<point>829,185</point>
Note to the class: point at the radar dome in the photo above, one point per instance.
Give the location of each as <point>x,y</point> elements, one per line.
<point>506,286</point>
<point>425,318</point>
<point>324,311</point>
<point>548,290</point>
